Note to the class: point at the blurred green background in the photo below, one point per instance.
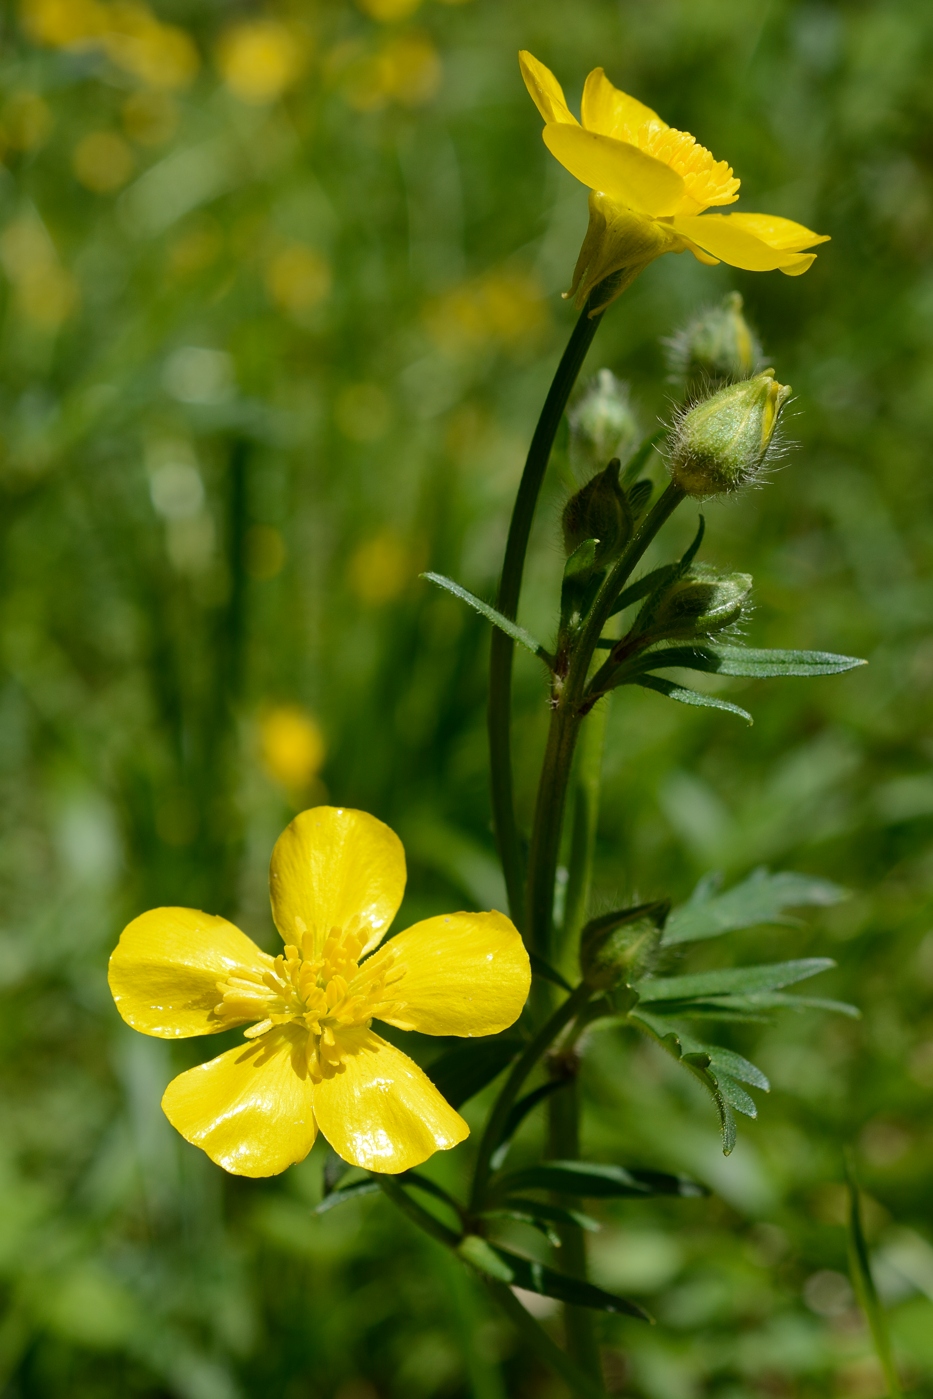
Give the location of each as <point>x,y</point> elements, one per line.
<point>280,299</point>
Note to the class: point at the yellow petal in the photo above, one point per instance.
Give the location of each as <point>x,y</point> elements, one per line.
<point>779,233</point>
<point>335,868</point>
<point>617,169</point>
<point>380,1111</point>
<point>796,269</point>
<point>613,113</point>
<point>164,971</point>
<point>465,974</point>
<point>546,92</point>
<point>723,237</point>
<point>251,1108</point>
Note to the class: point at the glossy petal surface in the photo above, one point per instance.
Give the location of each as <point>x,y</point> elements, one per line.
<point>466,974</point>
<point>620,170</point>
<point>381,1112</point>
<point>613,113</point>
<point>546,92</point>
<point>725,238</point>
<point>336,868</point>
<point>251,1108</point>
<point>164,971</point>
<point>778,232</point>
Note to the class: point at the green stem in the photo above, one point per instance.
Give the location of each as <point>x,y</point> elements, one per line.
<point>510,1089</point>
<point>564,1144</point>
<point>540,1342</point>
<point>416,1213</point>
<point>499,716</point>
<point>586,781</point>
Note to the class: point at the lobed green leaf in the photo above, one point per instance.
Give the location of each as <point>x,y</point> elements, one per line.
<point>761,898</point>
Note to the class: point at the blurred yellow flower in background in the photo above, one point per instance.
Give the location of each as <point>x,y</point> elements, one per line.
<point>650,187</point>
<point>388,11</point>
<point>381,567</point>
<point>298,279</point>
<point>46,292</point>
<point>260,59</point>
<point>363,412</point>
<point>25,122</point>
<point>291,746</point>
<point>405,68</point>
<point>150,117</point>
<point>504,308</point>
<point>102,161</point>
<point>312,1062</point>
<point>159,55</point>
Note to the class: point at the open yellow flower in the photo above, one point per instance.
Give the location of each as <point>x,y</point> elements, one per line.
<point>650,185</point>
<point>312,1061</point>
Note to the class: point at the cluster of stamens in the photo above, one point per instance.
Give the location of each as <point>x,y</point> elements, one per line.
<point>708,181</point>
<point>325,995</point>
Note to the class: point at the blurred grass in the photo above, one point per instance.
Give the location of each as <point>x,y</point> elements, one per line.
<point>279,304</point>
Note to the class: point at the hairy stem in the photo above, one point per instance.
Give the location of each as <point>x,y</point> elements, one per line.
<point>540,1342</point>
<point>510,1089</point>
<point>510,586</point>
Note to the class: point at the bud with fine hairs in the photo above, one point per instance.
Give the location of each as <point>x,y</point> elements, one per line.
<point>715,348</point>
<point>700,603</point>
<point>599,511</point>
<point>724,441</point>
<point>602,423</point>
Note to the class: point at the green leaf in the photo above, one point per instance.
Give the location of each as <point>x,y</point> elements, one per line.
<point>517,1115</point>
<point>697,1060</point>
<point>685,696</point>
<point>864,1284</point>
<point>730,980</point>
<point>512,629</point>
<point>761,898</point>
<point>521,1209</point>
<point>590,1180</point>
<point>354,1191</point>
<point>461,1072</point>
<point>718,659</point>
<point>582,560</point>
<point>503,1266</point>
<point>543,969</point>
<point>735,1095</point>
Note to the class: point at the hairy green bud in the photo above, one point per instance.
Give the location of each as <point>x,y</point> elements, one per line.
<point>721,443</point>
<point>622,946</point>
<point>717,346</point>
<point>602,422</point>
<point>700,603</point>
<point>598,511</point>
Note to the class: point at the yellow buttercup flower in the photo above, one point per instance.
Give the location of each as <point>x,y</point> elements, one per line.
<point>650,186</point>
<point>312,1062</point>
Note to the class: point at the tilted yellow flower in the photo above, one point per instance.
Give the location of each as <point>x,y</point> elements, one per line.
<point>650,185</point>
<point>312,1061</point>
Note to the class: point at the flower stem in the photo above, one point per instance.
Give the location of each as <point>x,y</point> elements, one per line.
<point>564,1145</point>
<point>510,586</point>
<point>540,1342</point>
<point>510,1089</point>
<point>586,782</point>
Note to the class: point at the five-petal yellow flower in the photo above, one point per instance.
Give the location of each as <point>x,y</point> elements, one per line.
<point>312,1061</point>
<point>650,185</point>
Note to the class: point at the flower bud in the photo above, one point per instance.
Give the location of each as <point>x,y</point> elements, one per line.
<point>721,443</point>
<point>700,603</point>
<point>602,423</point>
<point>716,347</point>
<point>598,511</point>
<point>621,947</point>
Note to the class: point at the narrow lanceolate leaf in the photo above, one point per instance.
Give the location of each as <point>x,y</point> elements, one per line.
<point>355,1191</point>
<point>761,898</point>
<point>730,980</point>
<point>503,1266</point>
<point>519,1208</point>
<point>685,696</point>
<point>714,658</point>
<point>589,1180</point>
<point>864,1283</point>
<point>544,970</point>
<point>518,1113</point>
<point>512,629</point>
<point>463,1071</point>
